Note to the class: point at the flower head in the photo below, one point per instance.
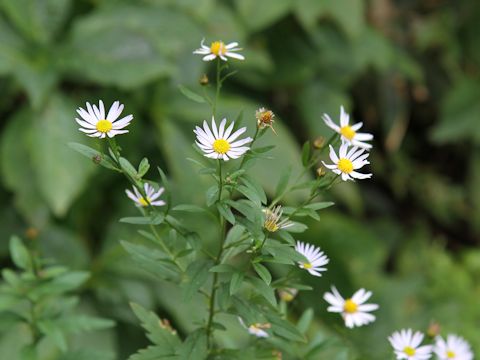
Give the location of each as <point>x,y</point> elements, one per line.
<point>95,124</point>
<point>219,49</point>
<point>287,294</point>
<point>349,132</point>
<point>354,310</point>
<point>407,345</point>
<point>265,118</point>
<point>454,348</point>
<point>316,258</point>
<point>220,143</point>
<point>151,194</point>
<point>347,162</point>
<point>272,220</point>
<point>257,329</point>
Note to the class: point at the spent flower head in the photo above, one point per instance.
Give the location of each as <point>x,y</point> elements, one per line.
<point>453,348</point>
<point>151,196</point>
<point>287,294</point>
<point>273,221</point>
<point>347,162</point>
<point>219,49</point>
<point>353,310</point>
<point>316,259</point>
<point>94,123</point>
<point>349,132</point>
<point>265,118</point>
<point>219,143</point>
<point>256,329</point>
<point>406,345</point>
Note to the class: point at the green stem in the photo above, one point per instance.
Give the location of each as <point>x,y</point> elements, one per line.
<point>218,85</point>
<point>220,179</point>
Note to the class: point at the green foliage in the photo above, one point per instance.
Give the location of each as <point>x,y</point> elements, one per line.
<point>408,70</point>
<point>40,298</point>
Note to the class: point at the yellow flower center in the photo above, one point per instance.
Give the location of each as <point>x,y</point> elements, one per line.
<point>347,132</point>
<point>221,146</point>
<point>218,48</point>
<point>144,202</point>
<point>409,350</point>
<point>270,225</point>
<point>345,166</point>
<point>450,354</point>
<point>104,126</point>
<point>307,265</point>
<point>350,306</point>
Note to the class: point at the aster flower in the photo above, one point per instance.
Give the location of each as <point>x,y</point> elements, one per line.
<point>220,143</point>
<point>256,329</point>
<point>353,310</point>
<point>316,258</point>
<point>272,219</point>
<point>407,345</point>
<point>265,118</point>
<point>219,49</point>
<point>94,123</point>
<point>347,162</point>
<point>455,348</point>
<point>349,132</point>
<point>151,194</point>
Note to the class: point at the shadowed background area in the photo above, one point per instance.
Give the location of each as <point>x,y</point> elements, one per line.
<point>409,70</point>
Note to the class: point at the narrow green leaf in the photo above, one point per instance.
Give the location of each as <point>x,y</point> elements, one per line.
<point>283,181</point>
<point>223,268</point>
<point>96,156</point>
<point>144,220</point>
<point>143,167</point>
<point>128,168</point>
<point>196,276</point>
<point>236,282</point>
<point>263,272</point>
<point>189,208</point>
<point>225,211</point>
<point>305,320</point>
<point>189,94</point>
<point>306,153</point>
<point>20,255</point>
<point>264,290</point>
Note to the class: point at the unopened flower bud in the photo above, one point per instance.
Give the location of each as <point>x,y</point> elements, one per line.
<point>277,354</point>
<point>203,80</point>
<point>288,294</point>
<point>321,171</point>
<point>433,329</point>
<point>319,142</point>
<point>97,159</point>
<point>31,233</point>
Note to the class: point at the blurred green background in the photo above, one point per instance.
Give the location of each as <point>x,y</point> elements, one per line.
<point>408,69</point>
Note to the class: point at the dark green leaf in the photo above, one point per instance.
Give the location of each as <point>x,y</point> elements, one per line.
<point>263,272</point>
<point>189,94</point>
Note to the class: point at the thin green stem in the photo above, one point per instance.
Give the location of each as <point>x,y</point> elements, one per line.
<point>220,179</point>
<point>218,85</point>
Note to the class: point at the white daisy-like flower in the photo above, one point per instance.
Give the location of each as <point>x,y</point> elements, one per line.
<point>256,329</point>
<point>316,258</point>
<point>454,348</point>
<point>151,196</point>
<point>406,345</point>
<point>349,132</point>
<point>219,49</point>
<point>353,310</point>
<point>273,220</point>
<point>94,123</point>
<point>220,143</point>
<point>348,161</point>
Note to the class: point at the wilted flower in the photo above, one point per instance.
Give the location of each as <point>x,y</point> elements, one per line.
<point>151,194</point>
<point>349,133</point>
<point>407,345</point>
<point>95,124</point>
<point>219,143</point>
<point>257,329</point>
<point>265,118</point>
<point>353,310</point>
<point>433,329</point>
<point>287,294</point>
<point>272,219</point>
<point>455,348</point>
<point>348,161</point>
<point>219,49</point>
<point>316,258</point>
